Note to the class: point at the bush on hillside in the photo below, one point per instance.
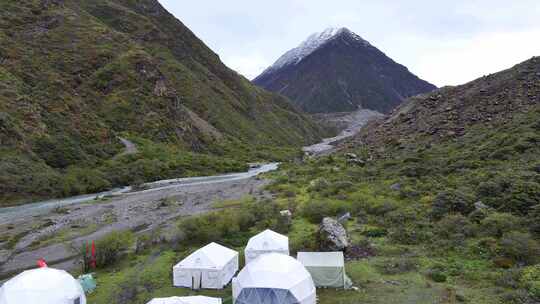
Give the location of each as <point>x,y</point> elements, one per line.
<point>530,279</point>
<point>520,247</point>
<point>451,201</point>
<point>316,210</point>
<point>509,194</point>
<point>497,224</point>
<point>397,266</point>
<point>112,247</point>
<point>232,226</point>
<point>534,221</point>
<point>454,226</point>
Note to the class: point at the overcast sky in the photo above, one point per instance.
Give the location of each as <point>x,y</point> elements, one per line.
<point>444,42</point>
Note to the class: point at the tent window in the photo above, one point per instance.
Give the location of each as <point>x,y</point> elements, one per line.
<point>212,275</point>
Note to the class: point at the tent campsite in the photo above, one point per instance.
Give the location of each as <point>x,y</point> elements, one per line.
<point>186,300</point>
<point>212,267</point>
<point>326,268</point>
<point>44,286</point>
<point>266,242</point>
<point>274,278</point>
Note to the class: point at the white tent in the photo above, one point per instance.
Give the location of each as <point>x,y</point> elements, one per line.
<point>266,242</point>
<point>326,268</point>
<point>186,300</point>
<point>42,286</point>
<point>274,279</point>
<point>212,266</point>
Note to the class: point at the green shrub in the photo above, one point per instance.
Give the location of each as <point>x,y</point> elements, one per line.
<point>454,226</point>
<point>397,266</point>
<point>497,224</point>
<point>451,201</point>
<point>530,279</point>
<point>232,226</point>
<point>318,185</point>
<point>375,232</point>
<point>533,221</point>
<point>316,210</point>
<point>520,247</point>
<point>112,247</point>
<point>410,235</point>
<point>437,275</point>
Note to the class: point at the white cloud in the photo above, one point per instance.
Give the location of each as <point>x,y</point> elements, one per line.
<point>444,42</point>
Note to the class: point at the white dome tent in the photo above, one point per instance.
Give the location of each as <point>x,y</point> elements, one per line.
<point>266,242</point>
<point>186,300</point>
<point>212,267</point>
<point>274,279</point>
<point>42,286</point>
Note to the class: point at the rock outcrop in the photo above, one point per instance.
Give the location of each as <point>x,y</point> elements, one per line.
<point>332,235</point>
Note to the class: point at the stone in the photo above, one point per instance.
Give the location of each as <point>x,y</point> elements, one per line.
<point>481,206</point>
<point>357,162</point>
<point>344,217</point>
<point>351,156</point>
<point>332,235</point>
<point>395,187</point>
<point>4,256</point>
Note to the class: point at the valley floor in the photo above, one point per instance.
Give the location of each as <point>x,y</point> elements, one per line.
<point>59,234</point>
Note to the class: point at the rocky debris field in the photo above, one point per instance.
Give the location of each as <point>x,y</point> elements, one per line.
<point>58,235</point>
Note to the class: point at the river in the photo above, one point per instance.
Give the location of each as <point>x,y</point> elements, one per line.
<point>42,207</point>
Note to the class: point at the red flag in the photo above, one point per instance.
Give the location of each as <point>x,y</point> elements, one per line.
<point>93,258</point>
<point>41,263</point>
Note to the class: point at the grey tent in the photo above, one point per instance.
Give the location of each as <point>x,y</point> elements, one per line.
<point>326,268</point>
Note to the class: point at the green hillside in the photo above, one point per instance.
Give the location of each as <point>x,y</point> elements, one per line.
<point>76,75</point>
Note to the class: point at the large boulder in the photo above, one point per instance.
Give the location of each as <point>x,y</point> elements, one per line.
<point>332,235</point>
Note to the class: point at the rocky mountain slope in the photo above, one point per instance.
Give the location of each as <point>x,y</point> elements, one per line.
<point>338,71</point>
<point>76,74</point>
<point>445,189</point>
<point>450,113</point>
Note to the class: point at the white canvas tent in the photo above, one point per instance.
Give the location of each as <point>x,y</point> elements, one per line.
<point>43,286</point>
<point>212,267</point>
<point>326,268</point>
<point>274,278</point>
<point>186,300</point>
<point>266,242</point>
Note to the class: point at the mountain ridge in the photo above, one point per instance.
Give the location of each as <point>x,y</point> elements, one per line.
<point>75,75</point>
<point>338,71</point>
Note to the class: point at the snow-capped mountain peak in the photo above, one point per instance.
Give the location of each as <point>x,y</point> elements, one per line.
<point>310,45</point>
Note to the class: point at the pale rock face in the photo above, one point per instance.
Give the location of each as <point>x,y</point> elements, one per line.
<point>332,235</point>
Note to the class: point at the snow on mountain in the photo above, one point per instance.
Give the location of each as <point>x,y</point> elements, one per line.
<point>309,46</point>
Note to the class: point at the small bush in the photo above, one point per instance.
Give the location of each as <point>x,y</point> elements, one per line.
<point>497,224</point>
<point>533,221</point>
<point>112,247</point>
<point>530,279</point>
<point>318,185</point>
<point>375,232</point>
<point>315,211</point>
<point>397,266</point>
<point>451,202</point>
<point>409,235</point>
<point>520,247</point>
<point>509,278</point>
<point>454,225</point>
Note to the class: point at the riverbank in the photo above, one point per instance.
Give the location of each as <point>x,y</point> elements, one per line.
<point>56,231</point>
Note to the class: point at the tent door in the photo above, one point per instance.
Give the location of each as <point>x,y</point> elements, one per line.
<point>196,280</point>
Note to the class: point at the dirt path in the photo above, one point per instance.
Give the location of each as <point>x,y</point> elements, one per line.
<point>57,235</point>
